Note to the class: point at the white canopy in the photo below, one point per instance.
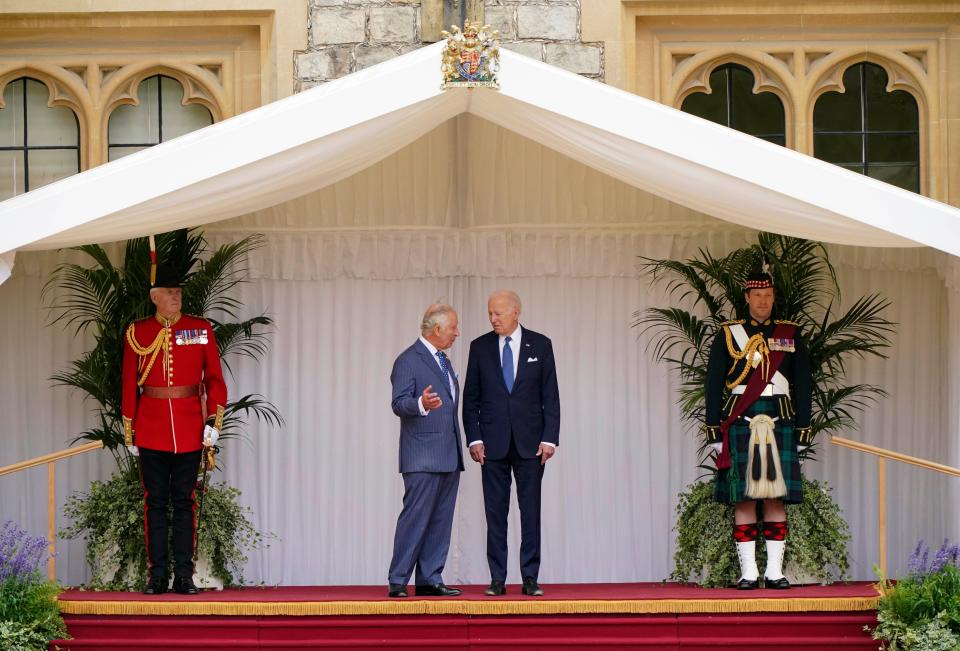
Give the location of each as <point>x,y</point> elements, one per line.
<point>311,140</point>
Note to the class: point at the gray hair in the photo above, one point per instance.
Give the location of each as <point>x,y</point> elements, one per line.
<point>510,295</point>
<point>437,314</point>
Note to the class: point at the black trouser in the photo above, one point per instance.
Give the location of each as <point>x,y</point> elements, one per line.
<point>496,500</point>
<point>169,478</point>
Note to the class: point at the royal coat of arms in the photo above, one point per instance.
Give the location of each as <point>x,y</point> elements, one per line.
<point>471,58</point>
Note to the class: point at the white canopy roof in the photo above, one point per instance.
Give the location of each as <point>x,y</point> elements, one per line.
<point>308,141</point>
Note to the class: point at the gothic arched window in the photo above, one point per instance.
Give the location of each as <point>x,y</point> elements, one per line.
<point>161,115</point>
<point>733,104</point>
<point>39,144</point>
<point>869,130</point>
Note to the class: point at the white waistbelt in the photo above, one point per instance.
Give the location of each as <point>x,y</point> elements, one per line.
<point>767,390</point>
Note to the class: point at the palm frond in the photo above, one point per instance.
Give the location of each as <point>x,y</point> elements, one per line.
<point>243,339</point>
<point>252,404</point>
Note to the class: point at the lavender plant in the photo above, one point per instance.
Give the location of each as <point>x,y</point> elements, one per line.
<point>29,618</point>
<point>921,611</point>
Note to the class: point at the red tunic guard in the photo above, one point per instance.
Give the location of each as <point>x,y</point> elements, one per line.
<point>176,363</point>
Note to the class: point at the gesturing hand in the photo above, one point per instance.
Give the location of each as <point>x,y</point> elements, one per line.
<point>430,399</point>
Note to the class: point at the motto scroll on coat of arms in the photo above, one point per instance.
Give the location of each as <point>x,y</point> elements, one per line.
<point>471,58</point>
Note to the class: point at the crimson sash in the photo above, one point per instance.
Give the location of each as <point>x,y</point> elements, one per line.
<point>755,386</point>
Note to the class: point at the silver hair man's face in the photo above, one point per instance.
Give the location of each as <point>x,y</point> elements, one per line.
<point>168,300</point>
<point>444,329</point>
<point>503,310</point>
<point>440,326</point>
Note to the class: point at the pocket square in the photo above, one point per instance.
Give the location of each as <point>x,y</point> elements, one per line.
<point>532,359</point>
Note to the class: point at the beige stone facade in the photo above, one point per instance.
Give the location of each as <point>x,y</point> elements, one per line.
<point>234,55</point>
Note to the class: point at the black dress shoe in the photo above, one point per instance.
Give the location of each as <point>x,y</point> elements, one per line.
<point>778,584</point>
<point>184,585</point>
<point>496,589</point>
<point>436,590</point>
<point>530,588</point>
<point>747,584</point>
<point>156,585</point>
<point>397,590</point>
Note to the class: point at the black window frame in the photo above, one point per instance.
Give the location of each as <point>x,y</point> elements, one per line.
<point>130,145</point>
<point>774,138</point>
<point>26,148</point>
<point>865,132</point>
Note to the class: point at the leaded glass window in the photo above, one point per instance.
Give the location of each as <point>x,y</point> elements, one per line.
<point>161,115</point>
<point>39,144</point>
<point>733,104</point>
<point>868,129</point>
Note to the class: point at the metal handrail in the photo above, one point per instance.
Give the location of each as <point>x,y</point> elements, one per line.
<point>50,460</point>
<point>882,455</point>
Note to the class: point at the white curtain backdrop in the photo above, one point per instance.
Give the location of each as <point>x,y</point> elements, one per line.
<point>347,302</point>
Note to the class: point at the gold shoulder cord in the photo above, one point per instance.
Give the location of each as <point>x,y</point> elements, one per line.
<point>755,344</point>
<point>159,343</point>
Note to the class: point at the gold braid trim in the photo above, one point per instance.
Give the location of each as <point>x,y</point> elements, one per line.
<point>159,343</point>
<point>218,421</point>
<point>127,431</point>
<point>755,344</point>
<point>468,607</point>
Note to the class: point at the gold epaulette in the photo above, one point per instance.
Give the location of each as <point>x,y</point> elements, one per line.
<point>785,322</point>
<point>734,322</point>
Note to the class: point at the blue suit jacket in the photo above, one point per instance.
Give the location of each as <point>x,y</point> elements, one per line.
<point>530,413</point>
<point>428,443</point>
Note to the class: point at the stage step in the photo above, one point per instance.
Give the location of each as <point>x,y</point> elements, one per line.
<point>686,632</point>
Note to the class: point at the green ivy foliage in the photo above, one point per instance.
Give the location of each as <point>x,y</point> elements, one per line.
<point>706,555</point>
<point>110,517</point>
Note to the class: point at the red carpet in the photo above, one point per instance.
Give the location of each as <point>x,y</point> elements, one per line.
<point>579,616</point>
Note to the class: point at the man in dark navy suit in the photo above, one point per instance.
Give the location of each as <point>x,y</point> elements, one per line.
<point>511,419</point>
<point>425,397</point>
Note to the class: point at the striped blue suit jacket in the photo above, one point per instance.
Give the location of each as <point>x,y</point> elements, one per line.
<point>428,443</point>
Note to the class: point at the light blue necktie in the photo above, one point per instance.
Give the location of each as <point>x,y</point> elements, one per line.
<point>507,364</point>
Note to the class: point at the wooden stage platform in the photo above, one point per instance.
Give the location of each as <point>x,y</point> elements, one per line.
<point>576,616</point>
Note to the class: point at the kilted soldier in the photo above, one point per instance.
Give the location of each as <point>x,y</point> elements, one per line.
<point>758,402</point>
<point>170,365</point>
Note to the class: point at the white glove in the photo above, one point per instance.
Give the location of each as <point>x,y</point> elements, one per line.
<point>210,436</point>
<point>716,447</point>
<point>134,450</point>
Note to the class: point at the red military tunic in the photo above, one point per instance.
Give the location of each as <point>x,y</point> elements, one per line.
<point>182,356</point>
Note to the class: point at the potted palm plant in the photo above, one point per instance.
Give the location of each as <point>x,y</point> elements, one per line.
<point>708,291</point>
<point>103,299</point>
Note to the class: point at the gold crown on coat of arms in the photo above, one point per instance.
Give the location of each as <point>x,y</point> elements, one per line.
<point>471,58</point>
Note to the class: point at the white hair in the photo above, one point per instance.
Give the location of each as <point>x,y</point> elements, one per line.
<point>508,294</point>
<point>437,314</point>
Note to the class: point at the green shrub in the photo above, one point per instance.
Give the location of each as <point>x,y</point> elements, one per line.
<point>705,554</point>
<point>921,612</point>
<point>110,517</point>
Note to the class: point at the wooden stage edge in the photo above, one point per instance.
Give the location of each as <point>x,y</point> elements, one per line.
<point>300,602</point>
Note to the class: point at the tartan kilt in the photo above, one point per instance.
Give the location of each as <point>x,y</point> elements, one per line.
<point>739,442</point>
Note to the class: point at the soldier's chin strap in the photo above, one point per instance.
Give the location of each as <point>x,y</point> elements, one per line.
<point>208,461</point>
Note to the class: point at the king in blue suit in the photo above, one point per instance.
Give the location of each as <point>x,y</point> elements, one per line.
<point>511,418</point>
<point>426,398</point>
